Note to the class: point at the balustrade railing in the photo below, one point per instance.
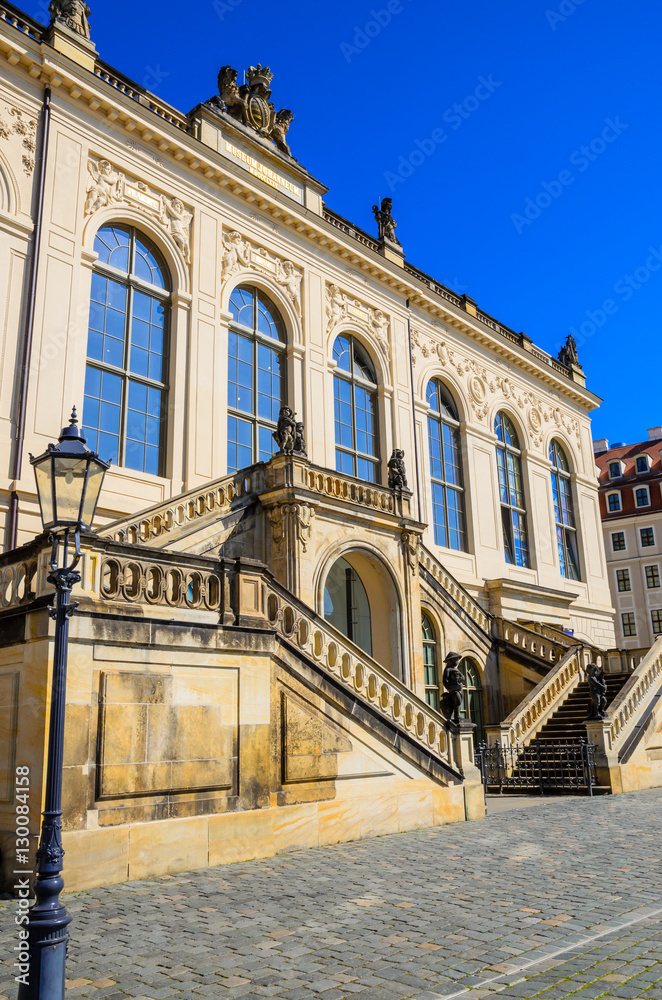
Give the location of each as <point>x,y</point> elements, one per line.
<point>216,498</point>
<point>22,22</point>
<point>631,705</point>
<point>340,487</point>
<point>469,604</point>
<point>546,648</point>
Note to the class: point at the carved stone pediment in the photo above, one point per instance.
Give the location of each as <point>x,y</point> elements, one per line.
<point>107,185</point>
<point>239,254</point>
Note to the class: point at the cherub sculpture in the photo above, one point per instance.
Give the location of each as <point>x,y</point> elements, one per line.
<point>104,187</point>
<point>73,13</point>
<point>299,439</point>
<point>335,305</point>
<point>287,275</point>
<point>597,687</point>
<point>451,701</point>
<point>178,220</point>
<point>235,253</point>
<point>397,474</point>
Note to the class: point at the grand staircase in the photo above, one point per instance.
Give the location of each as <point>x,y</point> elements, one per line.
<point>568,722</point>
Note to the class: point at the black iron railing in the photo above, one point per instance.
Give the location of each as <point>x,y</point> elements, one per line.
<point>540,767</point>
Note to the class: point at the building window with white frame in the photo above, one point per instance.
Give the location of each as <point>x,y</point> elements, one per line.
<point>642,464</point>
<point>623,581</point>
<point>652,577</point>
<point>614,470</point>
<point>511,492</point>
<point>564,512</point>
<point>656,621</point>
<point>618,541</point>
<point>126,378</point>
<point>629,623</point>
<point>614,502</point>
<point>257,381</point>
<point>647,536</point>
<point>355,410</point>
<point>445,468</point>
<point>642,497</point>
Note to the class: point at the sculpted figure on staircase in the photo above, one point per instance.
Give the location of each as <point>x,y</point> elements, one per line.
<point>597,687</point>
<point>454,684</point>
<point>289,434</point>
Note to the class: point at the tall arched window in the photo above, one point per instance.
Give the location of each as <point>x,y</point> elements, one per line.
<point>126,379</point>
<point>430,662</point>
<point>355,410</point>
<point>472,697</point>
<point>257,382</point>
<point>564,512</point>
<point>511,490</point>
<point>346,604</point>
<point>445,468</point>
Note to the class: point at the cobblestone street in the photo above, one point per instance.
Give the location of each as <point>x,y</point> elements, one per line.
<point>562,899</point>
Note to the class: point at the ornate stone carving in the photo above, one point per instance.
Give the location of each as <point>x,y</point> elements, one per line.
<point>454,684</point>
<point>109,186</point>
<point>411,544</point>
<point>25,128</point>
<point>238,253</point>
<point>597,687</point>
<point>178,221</point>
<point>104,187</point>
<point>250,104</point>
<point>397,474</point>
<point>386,224</point>
<point>291,517</point>
<point>72,13</point>
<point>341,307</point>
<point>483,380</point>
<point>568,354</point>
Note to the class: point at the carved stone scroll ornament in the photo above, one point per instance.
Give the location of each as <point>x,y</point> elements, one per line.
<point>25,128</point>
<point>250,104</point>
<point>411,544</point>
<point>72,13</point>
<point>109,186</point>
<point>293,518</point>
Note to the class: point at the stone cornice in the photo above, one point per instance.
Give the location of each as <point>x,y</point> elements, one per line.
<point>112,96</point>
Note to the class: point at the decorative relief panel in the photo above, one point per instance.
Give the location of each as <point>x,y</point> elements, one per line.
<point>19,130</point>
<point>293,517</point>
<point>239,254</point>
<point>483,381</point>
<point>341,307</point>
<point>109,186</point>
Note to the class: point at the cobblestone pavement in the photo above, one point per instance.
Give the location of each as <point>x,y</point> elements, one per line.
<point>564,899</point>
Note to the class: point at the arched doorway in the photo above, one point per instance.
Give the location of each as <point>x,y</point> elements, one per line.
<point>346,604</point>
<point>359,597</point>
<point>472,698</point>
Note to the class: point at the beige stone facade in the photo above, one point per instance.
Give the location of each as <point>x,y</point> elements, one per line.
<point>213,712</point>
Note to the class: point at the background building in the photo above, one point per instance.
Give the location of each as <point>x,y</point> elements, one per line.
<point>631,508</point>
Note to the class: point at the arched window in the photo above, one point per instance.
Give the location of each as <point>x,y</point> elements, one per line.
<point>445,468</point>
<point>257,382</point>
<point>126,380</point>
<point>355,409</point>
<point>564,512</point>
<point>346,604</point>
<point>511,490</point>
<point>430,662</point>
<point>472,697</point>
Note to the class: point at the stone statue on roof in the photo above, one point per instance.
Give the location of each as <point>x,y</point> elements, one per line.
<point>73,13</point>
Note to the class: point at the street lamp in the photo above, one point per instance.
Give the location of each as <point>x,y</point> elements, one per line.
<point>69,480</point>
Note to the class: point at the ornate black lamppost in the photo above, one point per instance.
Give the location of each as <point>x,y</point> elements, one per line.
<point>69,479</point>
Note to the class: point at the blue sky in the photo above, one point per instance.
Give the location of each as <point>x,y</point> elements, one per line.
<point>370,84</point>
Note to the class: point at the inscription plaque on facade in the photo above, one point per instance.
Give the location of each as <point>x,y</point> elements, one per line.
<point>265,173</point>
